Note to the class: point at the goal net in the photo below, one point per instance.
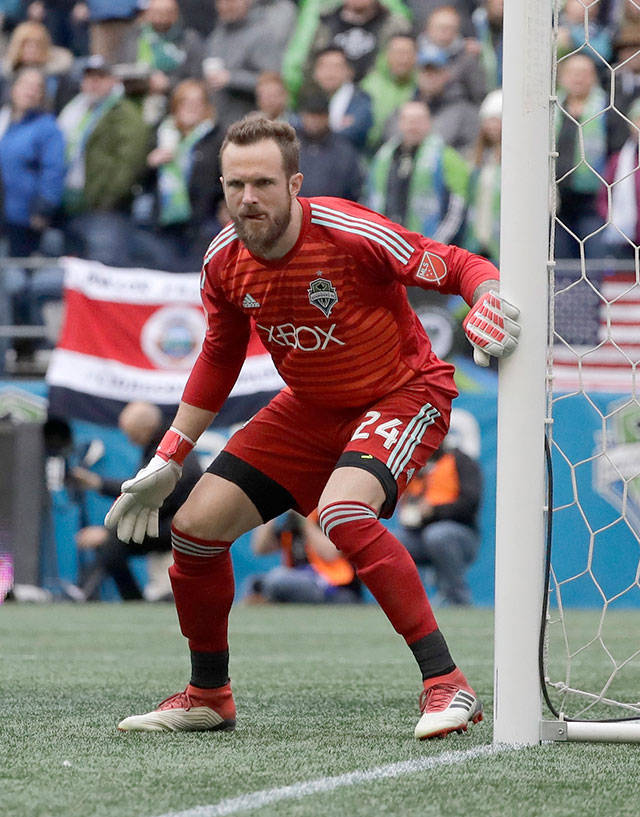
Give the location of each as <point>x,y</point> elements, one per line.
<point>590,651</point>
<point>567,630</point>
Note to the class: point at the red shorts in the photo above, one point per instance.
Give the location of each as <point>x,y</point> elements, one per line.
<point>298,444</point>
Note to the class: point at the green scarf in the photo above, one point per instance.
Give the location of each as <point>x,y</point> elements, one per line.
<point>77,136</point>
<point>483,226</point>
<point>173,178</point>
<point>159,51</point>
<point>437,169</point>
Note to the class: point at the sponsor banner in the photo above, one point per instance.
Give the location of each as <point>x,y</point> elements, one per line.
<point>135,335</point>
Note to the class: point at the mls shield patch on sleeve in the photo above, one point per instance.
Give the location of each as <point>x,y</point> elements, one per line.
<point>432,268</point>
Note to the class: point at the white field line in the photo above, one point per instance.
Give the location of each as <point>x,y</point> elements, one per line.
<point>258,799</point>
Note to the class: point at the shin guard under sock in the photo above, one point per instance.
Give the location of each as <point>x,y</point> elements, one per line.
<point>383,564</point>
<point>203,588</point>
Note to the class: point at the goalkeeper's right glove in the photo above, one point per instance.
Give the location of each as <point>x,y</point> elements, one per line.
<point>491,327</point>
<point>135,511</point>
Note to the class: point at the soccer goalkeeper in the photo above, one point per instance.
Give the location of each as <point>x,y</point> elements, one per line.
<point>366,404</point>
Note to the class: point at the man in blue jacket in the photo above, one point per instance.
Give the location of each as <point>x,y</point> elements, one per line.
<point>32,167</point>
<point>32,164</point>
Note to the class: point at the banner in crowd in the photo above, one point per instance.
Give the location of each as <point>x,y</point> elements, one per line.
<point>596,325</point>
<point>134,334</point>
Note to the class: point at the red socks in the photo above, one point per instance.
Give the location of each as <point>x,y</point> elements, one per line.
<point>203,588</point>
<point>383,564</point>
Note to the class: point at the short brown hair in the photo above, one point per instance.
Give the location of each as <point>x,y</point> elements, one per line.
<point>183,88</point>
<point>253,129</point>
<point>270,76</point>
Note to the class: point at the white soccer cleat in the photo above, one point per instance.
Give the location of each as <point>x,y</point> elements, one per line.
<point>446,708</point>
<point>188,711</point>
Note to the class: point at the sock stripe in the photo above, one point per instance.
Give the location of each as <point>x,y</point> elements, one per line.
<point>329,526</point>
<point>191,548</point>
<point>341,512</point>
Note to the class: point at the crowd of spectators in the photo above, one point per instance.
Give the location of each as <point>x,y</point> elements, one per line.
<point>113,112</point>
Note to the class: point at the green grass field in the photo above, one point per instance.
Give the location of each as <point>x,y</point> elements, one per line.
<point>321,693</point>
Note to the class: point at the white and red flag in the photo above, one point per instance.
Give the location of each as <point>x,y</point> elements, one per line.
<point>134,334</point>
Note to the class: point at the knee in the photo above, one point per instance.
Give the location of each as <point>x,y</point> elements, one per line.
<point>347,525</point>
<point>184,521</point>
<point>190,521</point>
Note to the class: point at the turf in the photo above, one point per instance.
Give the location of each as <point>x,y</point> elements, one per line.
<point>320,692</point>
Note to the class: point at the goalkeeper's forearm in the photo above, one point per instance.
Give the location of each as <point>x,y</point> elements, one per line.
<point>485,286</point>
<point>135,511</point>
<point>192,421</point>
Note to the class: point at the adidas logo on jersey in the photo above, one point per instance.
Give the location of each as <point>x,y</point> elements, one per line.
<point>248,302</point>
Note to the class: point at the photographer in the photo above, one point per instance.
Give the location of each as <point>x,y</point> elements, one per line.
<point>438,518</point>
<point>312,570</point>
<point>144,425</point>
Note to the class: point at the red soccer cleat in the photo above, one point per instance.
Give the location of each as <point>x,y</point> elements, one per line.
<point>194,710</point>
<point>448,704</point>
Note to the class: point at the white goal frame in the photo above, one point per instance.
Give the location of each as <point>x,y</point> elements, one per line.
<point>520,489</point>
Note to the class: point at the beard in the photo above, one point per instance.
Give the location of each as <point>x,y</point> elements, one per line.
<point>260,236</point>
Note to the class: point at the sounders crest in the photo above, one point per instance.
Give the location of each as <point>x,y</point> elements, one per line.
<point>323,295</point>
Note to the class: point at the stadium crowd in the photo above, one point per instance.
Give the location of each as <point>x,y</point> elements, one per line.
<point>113,112</point>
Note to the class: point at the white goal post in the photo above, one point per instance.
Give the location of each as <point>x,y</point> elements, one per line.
<point>524,228</point>
<point>523,401</point>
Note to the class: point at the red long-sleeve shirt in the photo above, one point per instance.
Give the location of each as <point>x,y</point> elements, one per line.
<point>333,312</point>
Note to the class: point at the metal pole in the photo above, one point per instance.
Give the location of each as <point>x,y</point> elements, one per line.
<point>520,485</point>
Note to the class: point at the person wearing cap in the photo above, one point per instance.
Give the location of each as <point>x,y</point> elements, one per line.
<point>106,150</point>
<point>321,148</point>
<point>450,78</point>
<point>417,180</point>
<point>483,220</point>
<point>111,26</point>
<point>361,28</point>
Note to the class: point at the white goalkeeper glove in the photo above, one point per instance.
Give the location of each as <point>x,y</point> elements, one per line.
<point>491,327</point>
<point>135,511</point>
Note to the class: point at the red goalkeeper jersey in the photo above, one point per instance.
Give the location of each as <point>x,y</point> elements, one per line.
<point>333,312</point>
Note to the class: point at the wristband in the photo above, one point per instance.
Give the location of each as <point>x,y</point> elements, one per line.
<point>174,446</point>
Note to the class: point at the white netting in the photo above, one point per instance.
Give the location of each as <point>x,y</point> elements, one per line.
<point>592,657</point>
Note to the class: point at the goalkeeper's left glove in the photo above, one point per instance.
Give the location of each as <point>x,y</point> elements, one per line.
<point>491,327</point>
